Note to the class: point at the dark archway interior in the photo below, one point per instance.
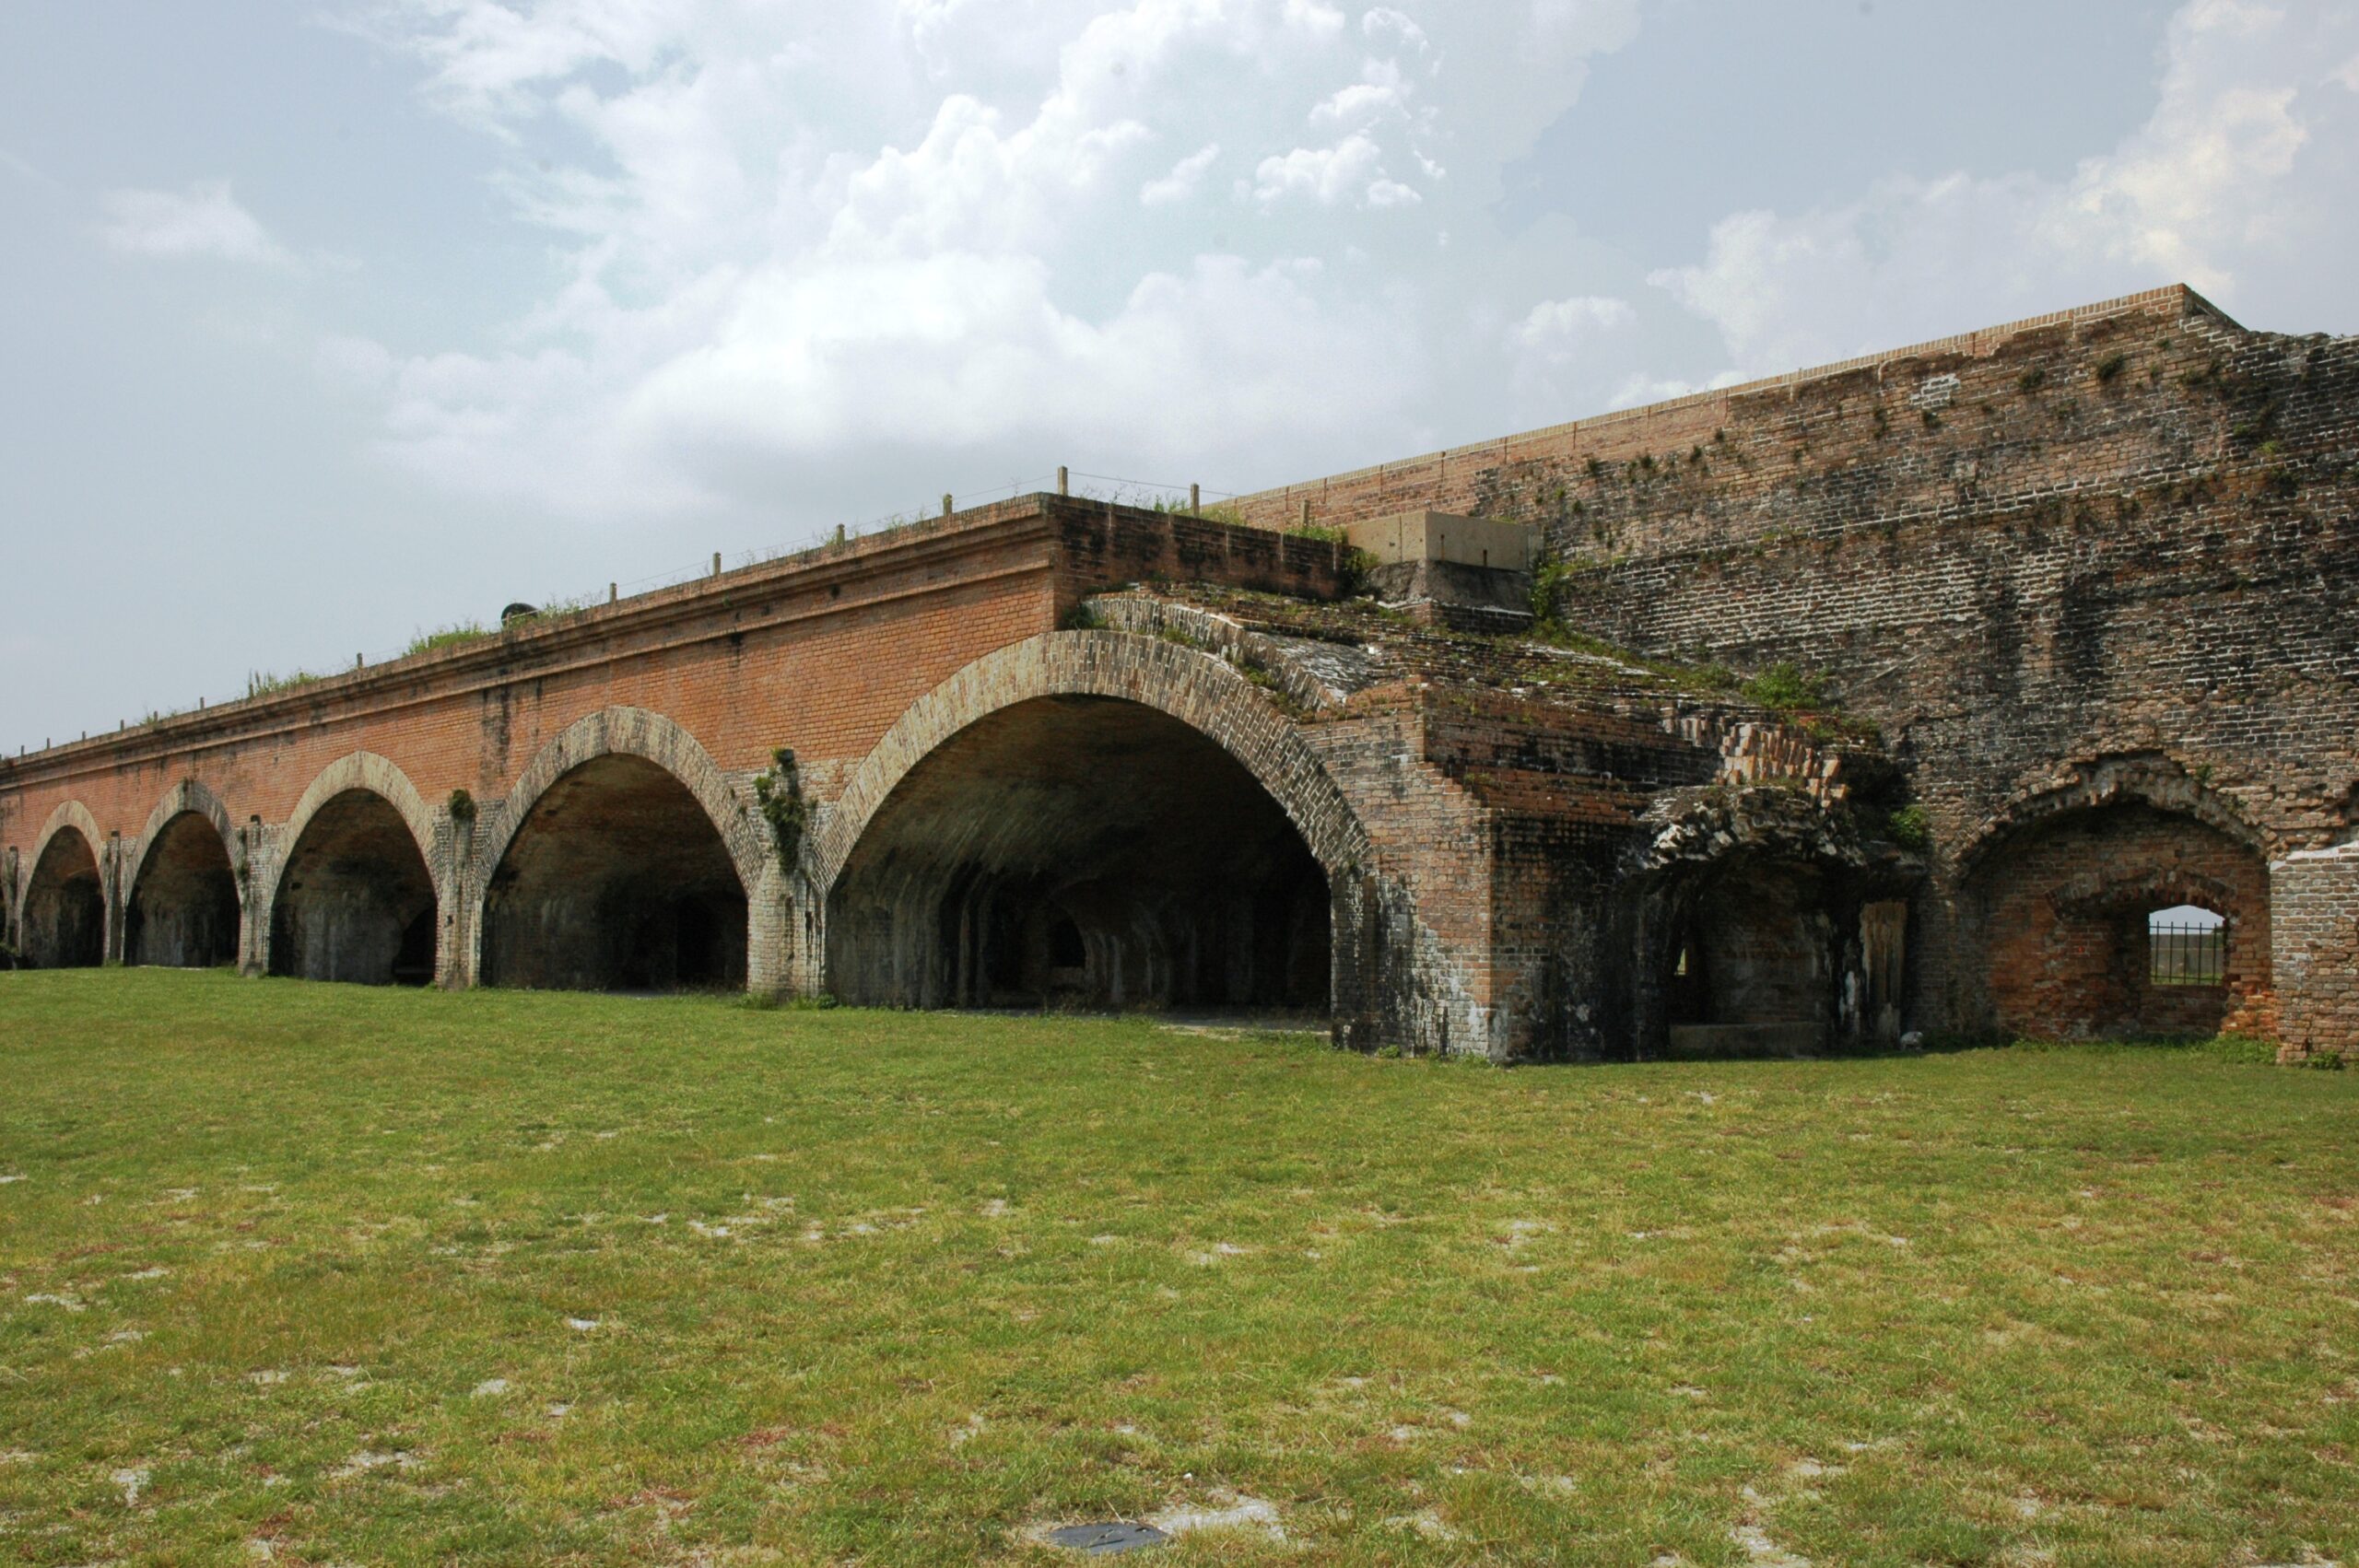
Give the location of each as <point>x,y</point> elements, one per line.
<point>1757,949</point>
<point>62,923</point>
<point>355,902</point>
<point>1080,849</point>
<point>183,912</point>
<point>616,881</point>
<point>2065,907</point>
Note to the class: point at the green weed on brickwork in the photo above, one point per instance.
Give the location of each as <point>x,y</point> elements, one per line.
<point>778,795</point>
<point>452,636</point>
<point>1785,688</point>
<point>1910,827</point>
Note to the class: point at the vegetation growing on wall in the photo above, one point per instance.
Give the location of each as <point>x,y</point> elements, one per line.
<point>778,795</point>
<point>1785,688</point>
<point>452,636</point>
<point>1910,827</point>
<point>262,683</point>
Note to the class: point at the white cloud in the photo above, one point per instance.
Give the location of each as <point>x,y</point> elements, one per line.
<point>1181,182</point>
<point>816,241</point>
<point>1325,175</point>
<point>1363,103</point>
<point>204,220</point>
<point>2349,75</point>
<point>1639,391</point>
<point>2218,189</point>
<point>1556,329</point>
<point>1385,22</point>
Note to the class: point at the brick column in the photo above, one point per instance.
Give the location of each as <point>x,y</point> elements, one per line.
<point>111,875</point>
<point>2314,921</point>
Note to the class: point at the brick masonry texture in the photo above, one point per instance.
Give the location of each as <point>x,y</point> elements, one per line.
<point>2082,587</point>
<point>2118,541</point>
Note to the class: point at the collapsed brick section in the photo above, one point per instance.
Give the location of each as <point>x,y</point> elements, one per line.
<point>2027,555</point>
<point>1515,789</point>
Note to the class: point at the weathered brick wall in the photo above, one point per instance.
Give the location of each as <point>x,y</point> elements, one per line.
<point>2103,559</point>
<point>2063,910</point>
<point>2123,531</point>
<point>821,652</point>
<point>2314,915</point>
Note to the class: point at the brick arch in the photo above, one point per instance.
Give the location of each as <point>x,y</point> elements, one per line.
<point>2146,779</point>
<point>64,931</point>
<point>2056,889</point>
<point>652,738</point>
<point>628,731</point>
<point>69,813</point>
<point>188,795</point>
<point>1743,906</point>
<point>374,775</point>
<point>361,772</point>
<point>1201,691</point>
<point>2162,887</point>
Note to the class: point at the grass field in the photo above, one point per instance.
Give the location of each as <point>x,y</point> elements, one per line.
<point>316,1274</point>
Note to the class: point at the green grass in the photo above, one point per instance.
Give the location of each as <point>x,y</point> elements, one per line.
<point>291,1271</point>
<point>452,636</point>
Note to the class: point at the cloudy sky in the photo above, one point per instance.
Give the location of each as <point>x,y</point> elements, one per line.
<point>327,321</point>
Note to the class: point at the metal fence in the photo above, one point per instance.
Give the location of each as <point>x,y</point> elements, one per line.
<point>2187,955</point>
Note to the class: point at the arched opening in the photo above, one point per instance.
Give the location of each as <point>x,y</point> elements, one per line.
<point>1086,850</point>
<point>616,881</point>
<point>355,901</point>
<point>64,922</point>
<point>184,909</point>
<point>1753,964</point>
<point>2124,919</point>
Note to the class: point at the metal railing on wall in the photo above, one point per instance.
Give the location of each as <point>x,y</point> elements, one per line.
<point>1122,490</point>
<point>2187,953</point>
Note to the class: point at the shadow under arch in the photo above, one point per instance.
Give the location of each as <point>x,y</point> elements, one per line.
<point>2059,886</point>
<point>61,912</point>
<point>183,908</point>
<point>620,859</point>
<point>1096,817</point>
<point>357,894</point>
<point>1760,924</point>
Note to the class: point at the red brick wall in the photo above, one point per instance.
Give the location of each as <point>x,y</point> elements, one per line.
<point>821,652</point>
<point>2062,922</point>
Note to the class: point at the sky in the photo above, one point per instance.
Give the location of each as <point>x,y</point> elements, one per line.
<point>327,322</point>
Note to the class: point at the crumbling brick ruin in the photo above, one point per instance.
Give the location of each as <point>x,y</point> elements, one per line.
<point>1890,697</point>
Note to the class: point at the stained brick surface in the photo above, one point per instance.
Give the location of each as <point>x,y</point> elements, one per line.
<point>2083,585</point>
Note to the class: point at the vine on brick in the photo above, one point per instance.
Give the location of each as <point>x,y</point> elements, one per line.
<point>778,795</point>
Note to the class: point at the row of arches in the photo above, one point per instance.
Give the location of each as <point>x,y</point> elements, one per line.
<point>616,879</point>
<point>1050,827</point>
<point>1067,821</point>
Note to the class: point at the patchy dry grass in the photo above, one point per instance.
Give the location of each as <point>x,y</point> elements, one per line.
<point>314,1274</point>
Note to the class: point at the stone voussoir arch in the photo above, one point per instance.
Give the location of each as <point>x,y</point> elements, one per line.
<point>1200,690</point>
<point>628,732</point>
<point>188,795</point>
<point>2161,887</point>
<point>369,773</point>
<point>69,813</point>
<point>2148,780</point>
